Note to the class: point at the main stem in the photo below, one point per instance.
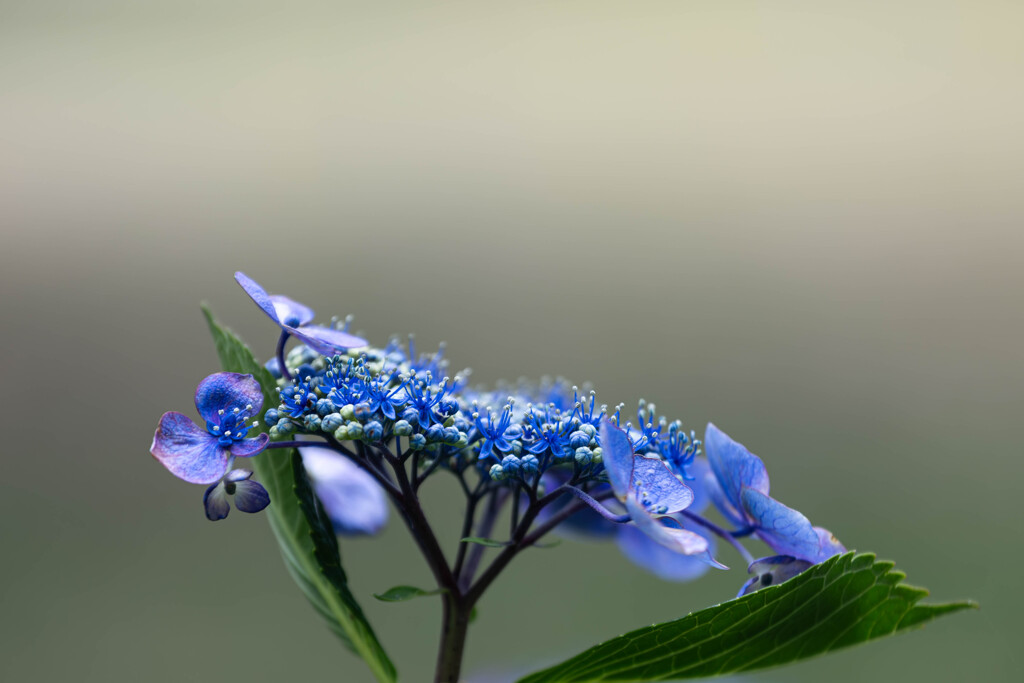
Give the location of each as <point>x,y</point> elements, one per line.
<point>454,628</point>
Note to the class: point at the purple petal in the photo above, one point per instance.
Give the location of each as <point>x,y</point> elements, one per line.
<point>699,469</point>
<point>713,490</point>
<point>227,391</point>
<point>259,295</point>
<point>677,540</point>
<point>771,571</point>
<point>250,496</point>
<point>830,545</point>
<point>326,341</point>
<point>659,486</point>
<point>355,502</point>
<point>784,529</point>
<point>291,312</point>
<point>734,465</point>
<point>250,447</point>
<point>617,455</point>
<point>237,475</point>
<point>215,500</point>
<point>188,452</point>
<point>656,558</point>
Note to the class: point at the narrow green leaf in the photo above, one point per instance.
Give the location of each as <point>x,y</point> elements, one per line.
<point>403,593</point>
<point>303,531</point>
<point>489,542</point>
<point>843,601</point>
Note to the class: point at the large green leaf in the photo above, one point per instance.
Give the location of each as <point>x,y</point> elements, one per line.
<point>843,601</point>
<point>303,531</point>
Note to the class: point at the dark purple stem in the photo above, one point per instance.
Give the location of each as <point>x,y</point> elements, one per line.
<point>721,533</point>
<point>280,356</point>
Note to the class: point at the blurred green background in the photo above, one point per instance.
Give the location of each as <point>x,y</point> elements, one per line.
<point>800,221</point>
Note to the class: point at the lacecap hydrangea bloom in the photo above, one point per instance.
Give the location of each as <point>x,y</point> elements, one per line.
<point>374,423</point>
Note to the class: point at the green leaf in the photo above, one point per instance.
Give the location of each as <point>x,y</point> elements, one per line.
<point>489,542</point>
<point>846,600</point>
<point>301,526</point>
<point>403,593</point>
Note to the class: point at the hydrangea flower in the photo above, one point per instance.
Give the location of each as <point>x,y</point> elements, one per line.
<point>771,571</point>
<point>226,401</point>
<point>249,495</point>
<point>738,484</point>
<point>649,490</point>
<point>355,502</point>
<point>294,318</point>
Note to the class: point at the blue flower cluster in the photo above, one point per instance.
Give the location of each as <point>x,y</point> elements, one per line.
<point>347,399</point>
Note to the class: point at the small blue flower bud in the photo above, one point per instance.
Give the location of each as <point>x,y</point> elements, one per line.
<point>579,439</point>
<point>497,473</point>
<point>332,422</point>
<point>463,440</point>
<point>411,416</point>
<point>448,407</point>
<point>589,429</point>
<point>435,433</point>
<point>373,431</point>
<point>355,430</point>
<point>285,426</point>
<point>530,464</point>
<point>363,412</point>
<point>311,423</point>
<point>417,442</point>
<point>451,436</point>
<point>403,428</point>
<point>517,447</point>
<point>584,456</point>
<point>510,464</point>
<point>324,407</point>
<point>271,417</point>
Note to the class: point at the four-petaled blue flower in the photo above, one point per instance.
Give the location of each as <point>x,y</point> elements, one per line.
<point>738,485</point>
<point>294,319</point>
<point>649,490</point>
<point>355,503</point>
<point>226,401</point>
<point>249,496</point>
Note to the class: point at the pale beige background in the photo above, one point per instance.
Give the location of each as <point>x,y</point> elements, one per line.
<point>801,220</point>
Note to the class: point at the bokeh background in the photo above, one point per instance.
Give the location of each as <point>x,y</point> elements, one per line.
<point>800,220</point>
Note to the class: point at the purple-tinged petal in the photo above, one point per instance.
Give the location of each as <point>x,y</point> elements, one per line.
<point>660,488</point>
<point>227,391</point>
<point>771,571</point>
<point>656,558</point>
<point>784,529</point>
<point>215,500</point>
<point>291,312</point>
<point>259,295</point>
<point>617,455</point>
<point>250,496</point>
<point>355,502</point>
<point>734,465</point>
<point>677,540</point>
<point>250,447</point>
<point>188,452</point>
<point>830,545</point>
<point>698,469</point>
<point>713,489</point>
<point>326,341</point>
<point>237,475</point>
